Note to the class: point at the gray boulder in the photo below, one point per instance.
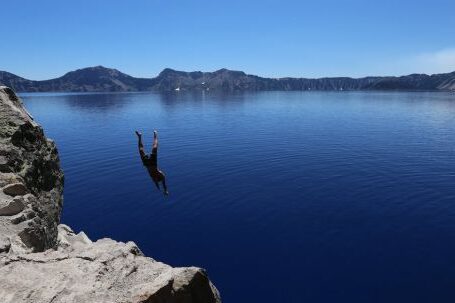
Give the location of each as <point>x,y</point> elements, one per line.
<point>15,189</point>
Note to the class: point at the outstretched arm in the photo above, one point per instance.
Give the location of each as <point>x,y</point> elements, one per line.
<point>140,145</point>
<point>157,185</point>
<point>164,185</point>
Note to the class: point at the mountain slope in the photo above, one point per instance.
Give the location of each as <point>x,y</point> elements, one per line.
<point>91,79</point>
<point>15,82</point>
<point>228,80</point>
<point>101,79</point>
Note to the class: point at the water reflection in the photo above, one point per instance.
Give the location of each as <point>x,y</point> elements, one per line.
<point>98,102</point>
<point>172,99</point>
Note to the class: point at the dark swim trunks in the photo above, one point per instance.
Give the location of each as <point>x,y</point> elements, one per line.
<point>150,160</point>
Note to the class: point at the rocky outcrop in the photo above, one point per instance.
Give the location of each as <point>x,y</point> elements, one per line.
<point>31,182</point>
<point>42,261</point>
<point>103,271</point>
<point>101,79</point>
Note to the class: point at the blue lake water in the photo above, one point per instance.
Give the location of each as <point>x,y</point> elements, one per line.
<point>281,196</point>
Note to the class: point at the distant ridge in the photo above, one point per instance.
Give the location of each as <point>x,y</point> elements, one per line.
<point>102,79</point>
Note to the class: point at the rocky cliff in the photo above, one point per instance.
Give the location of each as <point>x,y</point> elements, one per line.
<point>42,261</point>
<point>101,79</point>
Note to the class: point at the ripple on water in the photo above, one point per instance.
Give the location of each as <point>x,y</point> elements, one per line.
<point>348,194</point>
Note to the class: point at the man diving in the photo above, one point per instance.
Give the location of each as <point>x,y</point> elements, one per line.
<point>151,162</point>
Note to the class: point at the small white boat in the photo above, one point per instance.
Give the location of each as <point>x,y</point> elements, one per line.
<point>177,89</point>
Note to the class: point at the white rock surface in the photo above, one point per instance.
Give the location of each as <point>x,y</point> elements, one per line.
<point>104,271</point>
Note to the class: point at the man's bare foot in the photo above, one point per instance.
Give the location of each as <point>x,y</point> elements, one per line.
<point>138,134</point>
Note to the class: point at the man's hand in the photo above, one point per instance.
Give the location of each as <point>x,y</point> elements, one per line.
<point>155,133</point>
<point>138,134</point>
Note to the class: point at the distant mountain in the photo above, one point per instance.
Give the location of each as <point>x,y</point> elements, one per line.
<point>16,82</point>
<point>91,79</point>
<point>228,80</point>
<point>101,79</point>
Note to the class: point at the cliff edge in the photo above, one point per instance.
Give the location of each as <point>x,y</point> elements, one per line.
<point>42,261</point>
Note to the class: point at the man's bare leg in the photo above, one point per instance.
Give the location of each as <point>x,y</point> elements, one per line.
<point>140,145</point>
<point>155,141</point>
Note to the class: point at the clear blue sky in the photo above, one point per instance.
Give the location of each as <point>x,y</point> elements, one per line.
<point>45,39</point>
